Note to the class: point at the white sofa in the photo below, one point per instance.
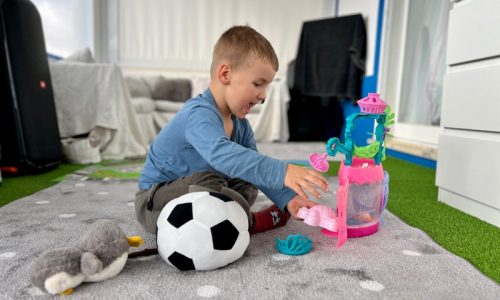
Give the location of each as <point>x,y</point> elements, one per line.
<point>156,99</point>
<point>104,115</point>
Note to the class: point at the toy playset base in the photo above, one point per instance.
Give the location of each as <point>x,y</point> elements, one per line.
<point>363,184</point>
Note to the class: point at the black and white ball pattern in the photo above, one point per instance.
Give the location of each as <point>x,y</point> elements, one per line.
<point>202,231</point>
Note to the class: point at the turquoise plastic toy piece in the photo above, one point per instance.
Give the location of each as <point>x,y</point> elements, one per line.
<point>294,244</point>
<point>372,108</point>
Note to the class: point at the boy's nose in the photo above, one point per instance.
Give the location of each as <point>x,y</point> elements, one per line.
<point>262,96</point>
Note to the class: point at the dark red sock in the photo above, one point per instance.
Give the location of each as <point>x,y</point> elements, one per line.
<point>268,219</point>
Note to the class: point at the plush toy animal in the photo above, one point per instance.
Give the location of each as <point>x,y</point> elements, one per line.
<point>100,254</point>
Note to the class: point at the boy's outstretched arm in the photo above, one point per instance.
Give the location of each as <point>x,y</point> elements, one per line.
<point>300,179</point>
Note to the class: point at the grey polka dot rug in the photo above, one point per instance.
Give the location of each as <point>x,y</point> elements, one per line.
<point>397,262</point>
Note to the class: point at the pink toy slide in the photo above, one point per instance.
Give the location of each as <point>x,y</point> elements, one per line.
<point>324,216</point>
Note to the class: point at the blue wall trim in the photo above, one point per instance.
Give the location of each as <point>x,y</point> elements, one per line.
<point>364,128</point>
<point>424,162</point>
<point>370,82</point>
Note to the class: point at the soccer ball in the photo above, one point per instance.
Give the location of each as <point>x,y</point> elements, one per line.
<point>202,231</point>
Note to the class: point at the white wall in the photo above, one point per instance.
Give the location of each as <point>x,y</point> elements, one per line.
<point>178,35</point>
<point>152,35</point>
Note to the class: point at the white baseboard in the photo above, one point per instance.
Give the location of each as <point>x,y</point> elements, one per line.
<point>477,209</point>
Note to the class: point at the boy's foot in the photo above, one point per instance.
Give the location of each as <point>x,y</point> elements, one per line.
<point>268,219</point>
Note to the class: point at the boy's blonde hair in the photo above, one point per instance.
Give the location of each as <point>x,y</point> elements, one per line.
<point>238,44</point>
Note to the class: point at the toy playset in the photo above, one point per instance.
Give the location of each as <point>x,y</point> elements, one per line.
<point>361,198</point>
<point>363,184</point>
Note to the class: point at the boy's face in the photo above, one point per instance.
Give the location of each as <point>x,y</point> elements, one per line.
<point>247,86</point>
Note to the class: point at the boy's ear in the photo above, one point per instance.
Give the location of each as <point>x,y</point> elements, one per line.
<point>224,73</point>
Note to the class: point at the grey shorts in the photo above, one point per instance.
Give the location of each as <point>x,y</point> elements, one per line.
<point>149,203</point>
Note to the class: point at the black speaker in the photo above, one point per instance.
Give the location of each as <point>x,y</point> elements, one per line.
<point>29,133</point>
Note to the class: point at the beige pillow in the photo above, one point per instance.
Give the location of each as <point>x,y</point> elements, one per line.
<point>177,90</point>
<point>137,87</point>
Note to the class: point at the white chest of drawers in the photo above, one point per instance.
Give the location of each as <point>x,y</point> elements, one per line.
<point>468,167</point>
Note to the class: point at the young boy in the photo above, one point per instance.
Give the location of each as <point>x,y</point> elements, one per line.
<point>209,145</point>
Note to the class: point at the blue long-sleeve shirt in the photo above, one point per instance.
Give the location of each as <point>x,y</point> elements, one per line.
<point>195,141</point>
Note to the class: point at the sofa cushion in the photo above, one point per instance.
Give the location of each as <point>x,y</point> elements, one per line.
<point>177,90</point>
<point>168,106</point>
<point>143,105</point>
<point>151,80</point>
<point>137,87</point>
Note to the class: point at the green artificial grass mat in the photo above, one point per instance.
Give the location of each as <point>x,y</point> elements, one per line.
<point>13,188</point>
<point>108,169</point>
<point>413,198</point>
<point>17,187</point>
<point>110,173</point>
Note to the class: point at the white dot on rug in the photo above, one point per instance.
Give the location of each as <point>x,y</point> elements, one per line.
<point>280,256</point>
<point>67,216</point>
<point>103,193</point>
<point>130,204</point>
<point>411,253</point>
<point>80,184</point>
<point>7,255</point>
<point>208,291</point>
<point>34,291</point>
<point>371,285</point>
<point>42,202</point>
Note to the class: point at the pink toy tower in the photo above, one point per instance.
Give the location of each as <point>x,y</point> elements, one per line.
<point>363,183</point>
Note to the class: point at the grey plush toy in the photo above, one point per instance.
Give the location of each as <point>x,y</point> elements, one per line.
<point>100,254</point>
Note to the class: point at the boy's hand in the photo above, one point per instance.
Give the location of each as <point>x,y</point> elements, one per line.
<point>296,203</point>
<point>300,179</point>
